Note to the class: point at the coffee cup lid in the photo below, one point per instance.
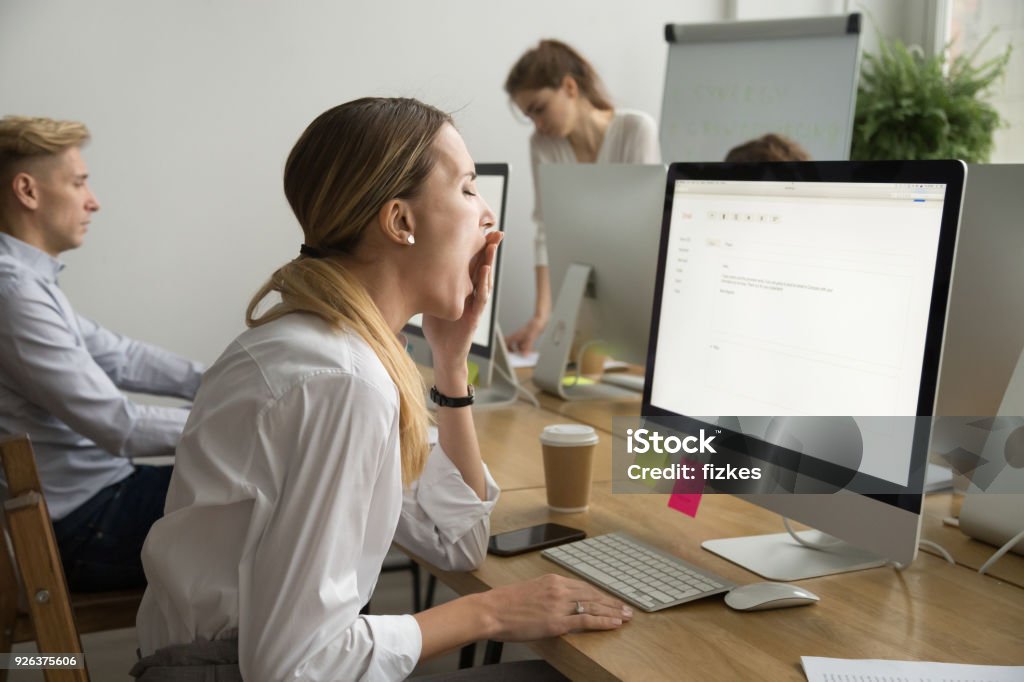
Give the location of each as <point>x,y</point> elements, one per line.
<point>568,434</point>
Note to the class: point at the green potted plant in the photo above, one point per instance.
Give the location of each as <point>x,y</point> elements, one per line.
<point>909,107</point>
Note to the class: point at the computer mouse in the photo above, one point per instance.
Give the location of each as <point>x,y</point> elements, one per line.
<point>761,596</point>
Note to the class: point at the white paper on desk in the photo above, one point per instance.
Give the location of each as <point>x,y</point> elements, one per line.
<point>820,669</point>
<point>518,360</point>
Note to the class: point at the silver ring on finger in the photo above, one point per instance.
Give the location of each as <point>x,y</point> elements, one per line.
<point>579,609</point>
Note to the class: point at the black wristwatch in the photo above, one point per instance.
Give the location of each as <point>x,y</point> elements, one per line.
<point>444,401</point>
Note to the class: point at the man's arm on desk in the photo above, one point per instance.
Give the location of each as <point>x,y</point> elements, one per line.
<point>136,366</point>
<point>42,360</point>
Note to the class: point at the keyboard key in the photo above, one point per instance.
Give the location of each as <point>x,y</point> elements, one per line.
<point>592,572</point>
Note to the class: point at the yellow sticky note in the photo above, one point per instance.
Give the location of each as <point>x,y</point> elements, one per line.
<point>651,460</point>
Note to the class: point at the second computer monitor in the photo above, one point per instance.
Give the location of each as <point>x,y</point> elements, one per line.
<point>985,334</point>
<point>982,372</point>
<point>605,217</point>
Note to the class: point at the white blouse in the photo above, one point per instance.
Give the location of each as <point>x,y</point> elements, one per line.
<point>286,495</point>
<point>631,137</point>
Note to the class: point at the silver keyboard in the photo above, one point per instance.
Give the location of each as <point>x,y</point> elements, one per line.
<point>638,573</point>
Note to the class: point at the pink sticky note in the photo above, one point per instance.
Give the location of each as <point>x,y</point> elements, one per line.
<point>686,493</point>
<point>685,502</point>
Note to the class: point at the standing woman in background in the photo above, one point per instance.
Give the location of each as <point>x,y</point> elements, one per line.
<point>561,93</point>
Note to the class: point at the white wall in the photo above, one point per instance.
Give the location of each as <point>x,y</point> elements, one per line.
<point>193,106</point>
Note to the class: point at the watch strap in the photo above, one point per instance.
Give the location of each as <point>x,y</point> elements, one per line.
<point>446,401</point>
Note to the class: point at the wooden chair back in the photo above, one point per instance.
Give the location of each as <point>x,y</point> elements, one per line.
<point>35,551</point>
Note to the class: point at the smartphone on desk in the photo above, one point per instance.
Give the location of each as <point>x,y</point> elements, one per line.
<point>535,537</point>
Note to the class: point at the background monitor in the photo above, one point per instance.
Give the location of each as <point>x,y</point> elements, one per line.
<point>492,184</point>
<point>795,290</point>
<point>993,507</point>
<point>982,372</point>
<point>985,332</point>
<point>605,218</point>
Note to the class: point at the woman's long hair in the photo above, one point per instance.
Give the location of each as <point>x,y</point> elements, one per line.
<point>551,61</point>
<point>348,163</point>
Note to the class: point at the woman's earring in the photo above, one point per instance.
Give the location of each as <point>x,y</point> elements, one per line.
<point>411,239</point>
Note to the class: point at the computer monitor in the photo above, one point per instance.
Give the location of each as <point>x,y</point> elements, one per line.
<point>794,290</point>
<point>982,371</point>
<point>487,350</point>
<point>985,332</point>
<point>603,225</point>
<point>993,506</point>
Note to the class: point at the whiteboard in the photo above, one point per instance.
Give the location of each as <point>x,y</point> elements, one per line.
<point>730,82</point>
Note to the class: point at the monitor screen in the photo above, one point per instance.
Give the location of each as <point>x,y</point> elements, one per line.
<point>807,290</point>
<point>802,299</point>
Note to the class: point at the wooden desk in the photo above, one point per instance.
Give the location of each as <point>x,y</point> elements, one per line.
<point>966,551</point>
<point>510,444</point>
<point>931,611</point>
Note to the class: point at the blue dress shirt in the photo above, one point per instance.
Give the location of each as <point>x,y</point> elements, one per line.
<point>60,381</point>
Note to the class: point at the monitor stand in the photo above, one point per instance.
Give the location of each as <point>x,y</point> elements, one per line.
<point>780,557</point>
<point>503,389</point>
<point>556,344</point>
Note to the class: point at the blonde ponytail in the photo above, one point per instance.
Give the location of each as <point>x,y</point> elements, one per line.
<point>346,165</point>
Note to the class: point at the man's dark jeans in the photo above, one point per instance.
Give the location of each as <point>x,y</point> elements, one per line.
<point>100,542</point>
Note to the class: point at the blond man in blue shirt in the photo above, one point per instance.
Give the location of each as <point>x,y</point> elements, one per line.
<point>61,375</point>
